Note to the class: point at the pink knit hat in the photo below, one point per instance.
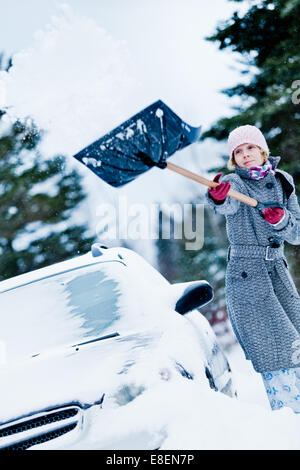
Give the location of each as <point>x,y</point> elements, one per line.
<point>246,135</point>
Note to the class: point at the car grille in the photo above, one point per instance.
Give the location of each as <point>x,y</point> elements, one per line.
<point>26,432</point>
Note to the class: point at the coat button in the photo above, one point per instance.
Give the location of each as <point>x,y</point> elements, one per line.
<point>274,243</point>
<point>269,185</point>
<point>244,274</point>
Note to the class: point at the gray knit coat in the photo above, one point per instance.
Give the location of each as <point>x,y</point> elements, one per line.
<point>262,300</point>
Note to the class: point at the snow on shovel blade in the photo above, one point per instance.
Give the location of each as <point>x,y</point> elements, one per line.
<point>143,141</point>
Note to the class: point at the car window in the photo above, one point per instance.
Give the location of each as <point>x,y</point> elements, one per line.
<point>62,309</point>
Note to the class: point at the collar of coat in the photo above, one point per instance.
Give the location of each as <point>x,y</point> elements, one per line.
<point>287,186</point>
<point>245,173</point>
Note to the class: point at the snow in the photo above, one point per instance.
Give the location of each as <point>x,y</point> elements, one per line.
<point>146,399</point>
<point>66,80</point>
<point>183,415</point>
<point>209,420</point>
<point>91,161</point>
<point>76,82</point>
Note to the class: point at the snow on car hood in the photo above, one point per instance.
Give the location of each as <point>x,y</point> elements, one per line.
<point>72,374</point>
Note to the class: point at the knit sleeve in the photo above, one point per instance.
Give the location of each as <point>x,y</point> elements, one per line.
<point>289,226</point>
<point>230,206</point>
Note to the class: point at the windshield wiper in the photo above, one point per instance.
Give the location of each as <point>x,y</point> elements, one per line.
<point>112,335</point>
<point>100,338</point>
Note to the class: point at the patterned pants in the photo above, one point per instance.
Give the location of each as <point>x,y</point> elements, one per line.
<point>283,388</point>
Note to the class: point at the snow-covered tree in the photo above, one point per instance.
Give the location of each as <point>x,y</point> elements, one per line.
<point>37,198</point>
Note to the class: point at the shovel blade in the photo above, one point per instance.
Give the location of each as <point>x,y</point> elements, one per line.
<point>145,140</point>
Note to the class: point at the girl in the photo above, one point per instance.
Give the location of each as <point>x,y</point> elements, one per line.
<point>262,300</point>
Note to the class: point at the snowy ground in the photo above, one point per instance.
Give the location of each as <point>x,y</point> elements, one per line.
<point>219,422</point>
<point>248,382</point>
<point>184,415</point>
<point>206,420</point>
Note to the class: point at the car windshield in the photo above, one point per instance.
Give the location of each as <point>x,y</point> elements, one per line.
<point>62,309</point>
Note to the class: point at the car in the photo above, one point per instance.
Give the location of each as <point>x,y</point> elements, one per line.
<point>84,338</point>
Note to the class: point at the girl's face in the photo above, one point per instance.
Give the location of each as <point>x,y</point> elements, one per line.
<point>248,155</point>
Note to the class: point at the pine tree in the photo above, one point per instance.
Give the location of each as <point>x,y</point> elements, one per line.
<point>35,194</point>
<point>267,39</point>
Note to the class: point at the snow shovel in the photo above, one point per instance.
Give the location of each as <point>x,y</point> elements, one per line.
<point>142,142</point>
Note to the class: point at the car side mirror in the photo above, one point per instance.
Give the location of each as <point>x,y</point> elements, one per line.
<point>192,295</point>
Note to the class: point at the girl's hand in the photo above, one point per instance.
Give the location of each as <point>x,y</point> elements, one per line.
<point>273,215</point>
<point>219,193</point>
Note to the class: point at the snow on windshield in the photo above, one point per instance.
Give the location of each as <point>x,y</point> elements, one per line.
<point>63,309</point>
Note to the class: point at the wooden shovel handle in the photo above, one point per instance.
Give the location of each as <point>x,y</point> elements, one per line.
<point>211,184</point>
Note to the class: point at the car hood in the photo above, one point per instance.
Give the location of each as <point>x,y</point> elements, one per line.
<point>79,374</point>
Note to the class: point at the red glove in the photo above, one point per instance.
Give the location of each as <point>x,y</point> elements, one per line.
<point>273,214</point>
<point>219,193</point>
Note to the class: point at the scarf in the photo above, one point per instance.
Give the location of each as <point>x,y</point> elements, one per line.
<point>259,172</point>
